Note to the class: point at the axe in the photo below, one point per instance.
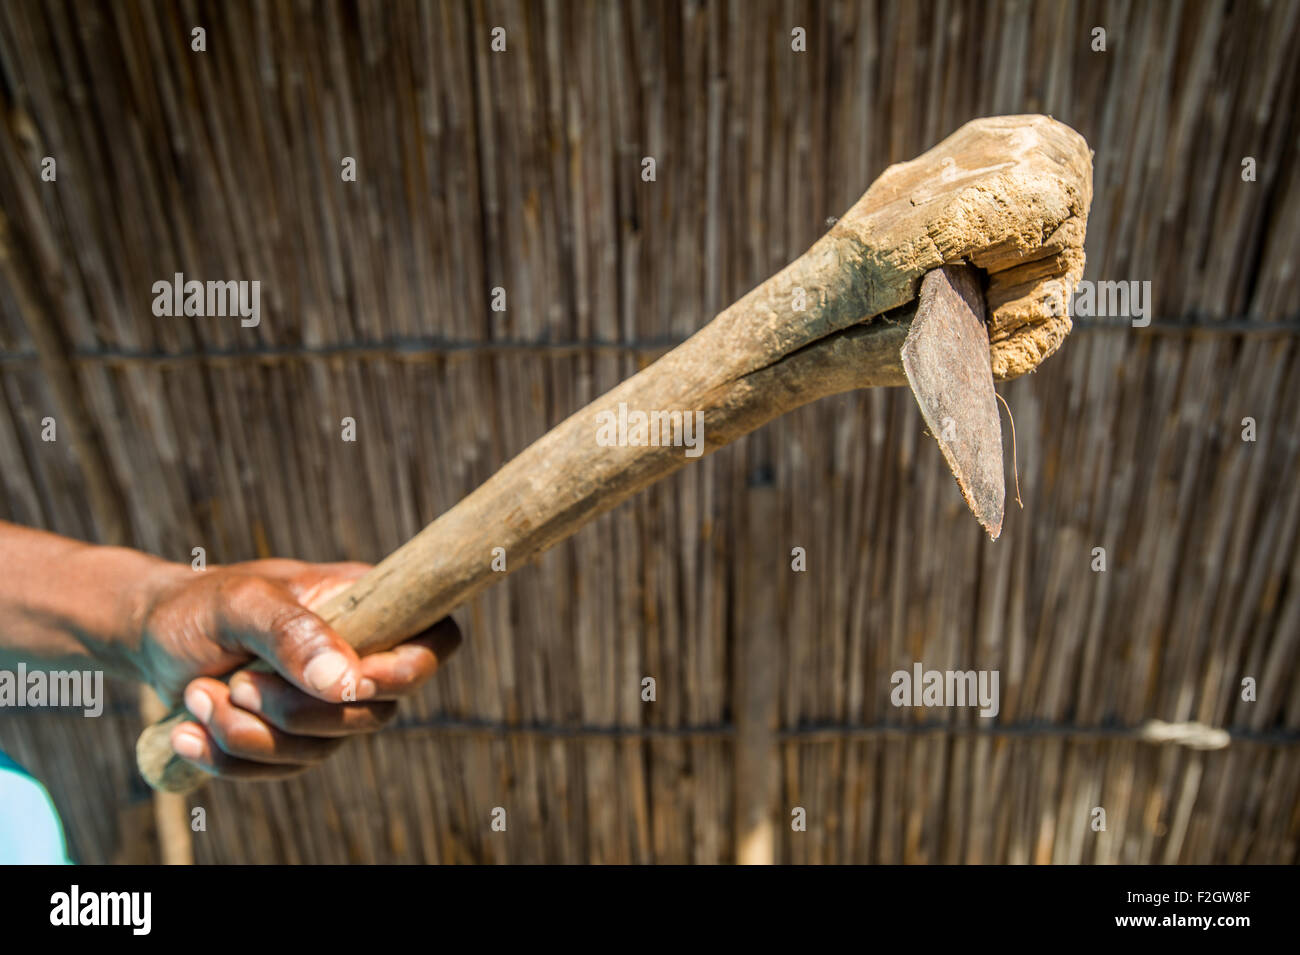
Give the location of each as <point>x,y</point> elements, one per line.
<point>950,272</point>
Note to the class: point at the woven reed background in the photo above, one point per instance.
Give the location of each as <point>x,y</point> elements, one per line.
<point>522,170</point>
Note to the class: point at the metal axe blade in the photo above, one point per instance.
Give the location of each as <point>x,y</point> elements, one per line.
<point>946,360</point>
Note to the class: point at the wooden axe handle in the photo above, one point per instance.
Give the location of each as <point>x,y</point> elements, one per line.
<point>556,486</point>
<point>1008,195</point>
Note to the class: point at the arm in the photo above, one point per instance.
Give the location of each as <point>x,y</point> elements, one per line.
<point>70,605</point>
<point>66,604</point>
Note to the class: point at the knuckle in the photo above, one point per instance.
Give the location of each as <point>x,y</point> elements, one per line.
<point>294,625</point>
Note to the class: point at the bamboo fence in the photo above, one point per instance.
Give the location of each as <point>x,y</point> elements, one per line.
<point>522,170</point>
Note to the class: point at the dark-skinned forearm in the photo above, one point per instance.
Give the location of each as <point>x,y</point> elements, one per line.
<point>68,604</point>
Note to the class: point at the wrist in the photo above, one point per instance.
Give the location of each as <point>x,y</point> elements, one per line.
<point>151,580</point>
<point>122,586</point>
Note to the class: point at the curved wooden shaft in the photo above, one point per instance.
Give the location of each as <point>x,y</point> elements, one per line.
<point>559,484</point>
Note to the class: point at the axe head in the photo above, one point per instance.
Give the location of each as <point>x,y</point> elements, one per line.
<point>946,360</point>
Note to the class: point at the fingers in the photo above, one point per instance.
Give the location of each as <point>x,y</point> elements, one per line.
<point>287,708</point>
<point>396,673</point>
<point>242,735</point>
<point>265,619</point>
<point>196,745</point>
<point>265,725</point>
<point>401,670</point>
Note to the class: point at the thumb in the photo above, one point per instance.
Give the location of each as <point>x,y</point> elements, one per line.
<point>266,620</point>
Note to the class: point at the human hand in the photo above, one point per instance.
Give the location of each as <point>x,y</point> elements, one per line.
<point>197,625</point>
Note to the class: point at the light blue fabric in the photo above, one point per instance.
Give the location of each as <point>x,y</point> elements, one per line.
<point>30,830</point>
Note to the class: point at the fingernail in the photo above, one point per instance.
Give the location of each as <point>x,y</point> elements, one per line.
<point>324,671</point>
<point>366,688</point>
<point>187,744</point>
<point>198,703</point>
<point>244,694</point>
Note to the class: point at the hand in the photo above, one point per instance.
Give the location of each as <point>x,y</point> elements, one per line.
<point>202,624</point>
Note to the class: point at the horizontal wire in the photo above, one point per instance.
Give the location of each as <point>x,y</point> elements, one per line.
<point>424,348</point>
<point>1194,735</point>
